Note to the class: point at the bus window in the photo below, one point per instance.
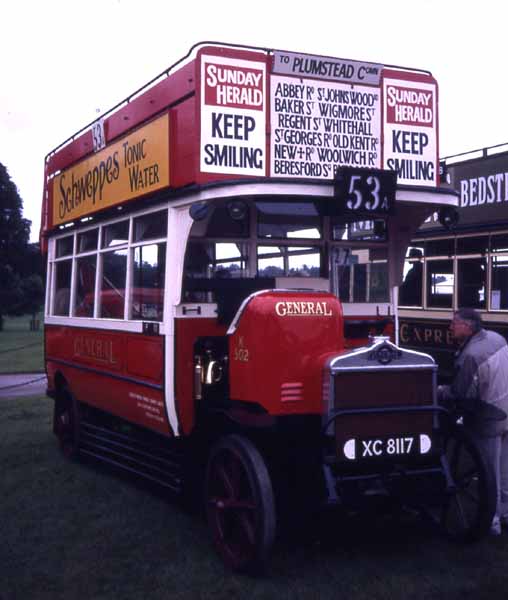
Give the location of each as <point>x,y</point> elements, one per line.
<point>63,269</point>
<point>499,243</point>
<point>64,246</point>
<point>85,286</point>
<point>499,292</point>
<point>288,220</point>
<point>473,245</point>
<point>87,241</point>
<point>212,260</point>
<point>471,282</point>
<point>115,234</point>
<point>151,226</point>
<point>288,261</point>
<point>444,247</point>
<point>378,283</point>
<point>359,275</point>
<point>440,280</point>
<point>148,282</point>
<point>112,296</point>
<point>410,291</point>
<point>373,231</point>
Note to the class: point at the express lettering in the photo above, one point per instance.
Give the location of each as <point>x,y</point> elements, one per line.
<point>285,308</point>
<point>416,335</point>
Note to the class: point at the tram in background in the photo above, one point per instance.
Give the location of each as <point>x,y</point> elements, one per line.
<point>462,263</point>
<point>224,250</point>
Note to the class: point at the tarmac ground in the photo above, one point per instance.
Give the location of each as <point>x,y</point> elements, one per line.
<point>22,384</point>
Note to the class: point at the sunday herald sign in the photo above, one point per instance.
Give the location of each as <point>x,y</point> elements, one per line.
<point>410,131</point>
<point>233,116</point>
<point>323,114</point>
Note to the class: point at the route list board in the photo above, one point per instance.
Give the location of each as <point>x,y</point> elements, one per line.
<point>312,115</point>
<point>318,126</point>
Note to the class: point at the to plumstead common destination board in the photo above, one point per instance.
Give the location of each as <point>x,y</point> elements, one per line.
<point>324,113</point>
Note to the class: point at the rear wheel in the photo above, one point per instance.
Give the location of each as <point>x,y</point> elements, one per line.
<point>470,500</point>
<point>66,423</point>
<point>240,504</point>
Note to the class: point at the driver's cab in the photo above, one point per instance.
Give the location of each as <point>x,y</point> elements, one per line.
<point>239,246</point>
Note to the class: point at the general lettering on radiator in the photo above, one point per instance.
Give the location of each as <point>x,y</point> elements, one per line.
<point>298,308</point>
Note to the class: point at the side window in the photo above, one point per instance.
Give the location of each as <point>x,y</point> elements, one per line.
<point>499,292</point>
<point>151,226</point>
<point>148,282</point>
<point>440,282</point>
<point>410,291</point>
<point>112,292</point>
<point>211,260</point>
<point>61,300</point>
<point>288,261</point>
<point>360,274</point>
<point>471,282</point>
<point>85,286</point>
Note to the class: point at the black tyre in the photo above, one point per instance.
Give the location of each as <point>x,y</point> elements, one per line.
<point>470,502</point>
<point>240,504</point>
<point>66,423</point>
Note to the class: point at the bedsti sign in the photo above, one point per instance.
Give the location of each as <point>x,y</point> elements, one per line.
<point>322,113</point>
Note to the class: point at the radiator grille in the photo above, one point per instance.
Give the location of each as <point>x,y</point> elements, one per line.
<point>377,389</point>
<point>382,389</point>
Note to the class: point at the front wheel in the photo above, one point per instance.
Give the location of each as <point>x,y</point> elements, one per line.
<point>240,504</point>
<point>470,499</point>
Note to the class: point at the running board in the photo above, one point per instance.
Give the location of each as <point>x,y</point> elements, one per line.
<point>155,462</point>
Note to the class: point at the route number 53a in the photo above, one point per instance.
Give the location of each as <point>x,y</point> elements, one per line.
<point>362,190</point>
<point>359,199</point>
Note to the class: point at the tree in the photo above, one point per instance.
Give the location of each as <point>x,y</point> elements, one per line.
<point>16,258</point>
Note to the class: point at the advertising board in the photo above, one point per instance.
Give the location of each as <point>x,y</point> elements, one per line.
<point>322,113</point>
<point>135,165</point>
<point>233,116</point>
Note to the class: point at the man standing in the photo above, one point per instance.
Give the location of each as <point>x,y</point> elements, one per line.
<point>481,374</point>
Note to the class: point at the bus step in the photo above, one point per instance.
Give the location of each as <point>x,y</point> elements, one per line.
<point>174,486</point>
<point>155,462</point>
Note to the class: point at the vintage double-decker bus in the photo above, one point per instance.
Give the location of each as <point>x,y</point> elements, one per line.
<point>462,264</point>
<point>224,251</point>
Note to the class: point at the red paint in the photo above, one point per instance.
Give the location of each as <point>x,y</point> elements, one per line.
<point>279,348</point>
<point>107,369</point>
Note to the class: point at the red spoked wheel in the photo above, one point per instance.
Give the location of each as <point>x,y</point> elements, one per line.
<point>240,504</point>
<point>66,424</point>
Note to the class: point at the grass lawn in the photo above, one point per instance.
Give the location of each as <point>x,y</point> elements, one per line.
<point>21,350</point>
<point>77,531</point>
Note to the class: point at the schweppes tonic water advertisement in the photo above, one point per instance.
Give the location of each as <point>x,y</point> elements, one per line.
<point>135,165</point>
